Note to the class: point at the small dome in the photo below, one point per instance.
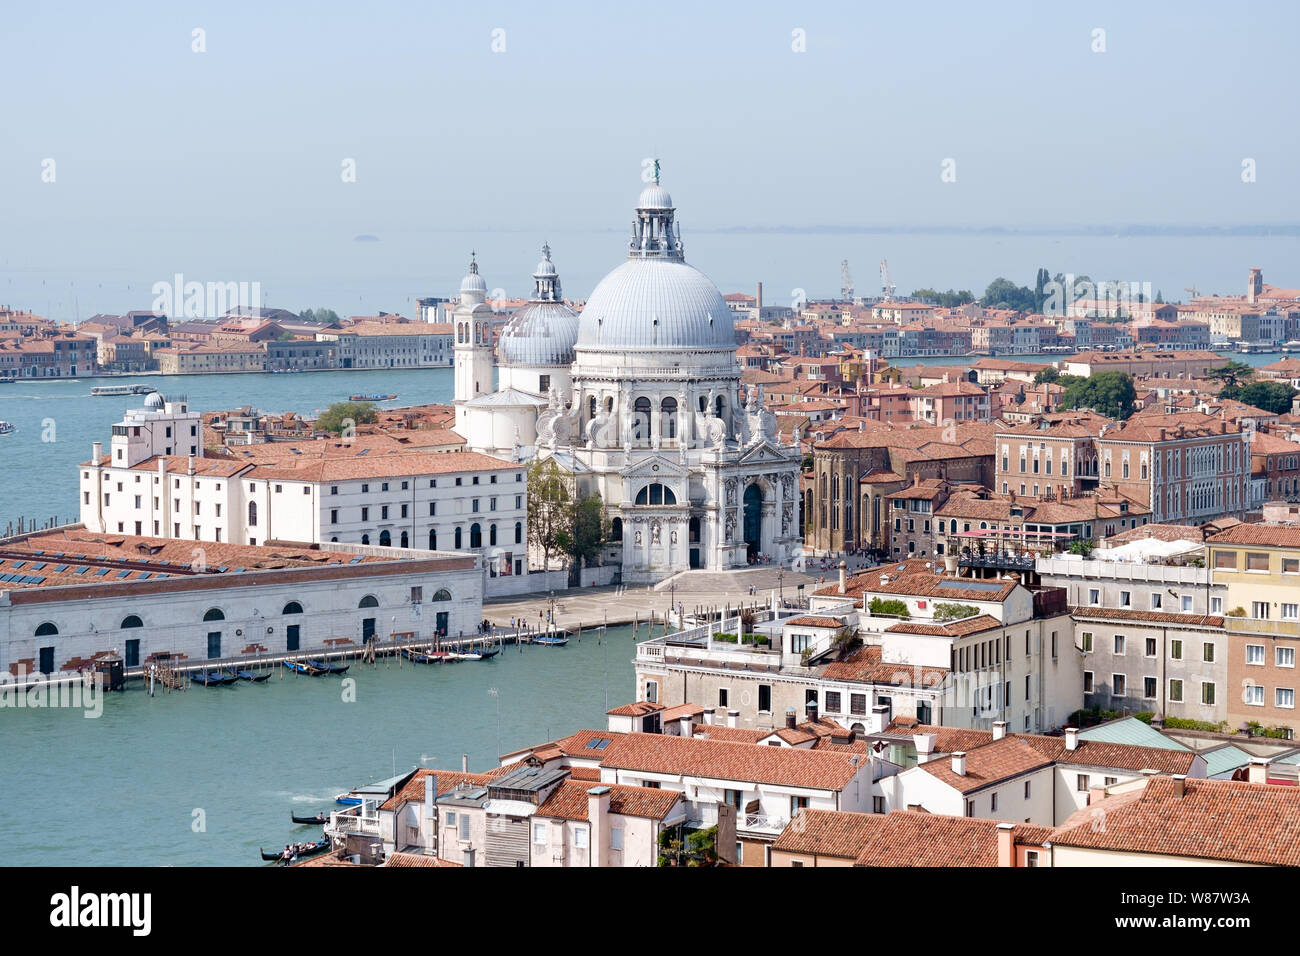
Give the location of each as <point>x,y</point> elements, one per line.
<point>473,282</point>
<point>540,334</point>
<point>654,196</point>
<point>154,400</point>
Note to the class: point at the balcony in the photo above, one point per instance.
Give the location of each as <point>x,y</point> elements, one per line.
<point>998,560</point>
<point>761,823</point>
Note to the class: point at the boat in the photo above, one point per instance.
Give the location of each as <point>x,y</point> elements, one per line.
<point>319,819</point>
<point>299,851</point>
<point>109,390</point>
<point>420,657</point>
<point>326,667</point>
<point>213,678</point>
<point>6,428</point>
<point>458,656</point>
<point>371,398</point>
<point>253,678</point>
<point>486,652</point>
<point>7,379</point>
<point>1290,347</point>
<point>552,640</point>
<point>301,668</point>
<point>347,800</point>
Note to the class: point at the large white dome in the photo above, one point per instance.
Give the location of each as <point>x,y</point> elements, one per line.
<point>650,303</point>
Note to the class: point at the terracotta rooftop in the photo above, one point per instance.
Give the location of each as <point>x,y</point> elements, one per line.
<point>569,801</point>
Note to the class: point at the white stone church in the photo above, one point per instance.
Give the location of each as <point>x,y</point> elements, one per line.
<point>639,397</point>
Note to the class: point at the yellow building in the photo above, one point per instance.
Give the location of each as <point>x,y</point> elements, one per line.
<point>1259,564</point>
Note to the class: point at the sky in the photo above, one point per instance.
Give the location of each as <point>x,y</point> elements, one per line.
<point>497,126</point>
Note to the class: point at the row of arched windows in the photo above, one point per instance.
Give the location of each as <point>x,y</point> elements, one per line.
<point>48,629</point>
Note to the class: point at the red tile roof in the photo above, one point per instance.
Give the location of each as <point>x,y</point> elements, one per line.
<point>569,801</point>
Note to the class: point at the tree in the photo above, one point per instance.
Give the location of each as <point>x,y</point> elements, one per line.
<point>1232,376</point>
<point>1047,375</point>
<point>337,417</point>
<point>1040,289</point>
<point>552,509</point>
<point>1273,397</point>
<point>327,316</point>
<point>954,612</point>
<point>1107,393</point>
<point>588,529</point>
<point>1005,294</point>
<point>948,300</point>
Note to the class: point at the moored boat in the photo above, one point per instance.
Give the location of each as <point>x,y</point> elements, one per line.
<point>326,667</point>
<point>301,668</point>
<point>251,677</point>
<point>459,656</point>
<point>551,640</point>
<point>319,819</point>
<point>347,800</point>
<point>212,678</point>
<point>371,398</point>
<point>486,652</point>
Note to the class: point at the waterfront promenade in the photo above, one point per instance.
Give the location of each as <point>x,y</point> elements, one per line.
<point>591,607</point>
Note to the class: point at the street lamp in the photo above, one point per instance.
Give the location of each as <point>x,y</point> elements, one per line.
<point>780,583</point>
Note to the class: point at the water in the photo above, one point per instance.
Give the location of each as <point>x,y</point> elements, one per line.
<point>127,788</point>
<point>58,420</point>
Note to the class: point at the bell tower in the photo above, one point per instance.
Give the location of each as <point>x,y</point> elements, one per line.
<point>472,320</point>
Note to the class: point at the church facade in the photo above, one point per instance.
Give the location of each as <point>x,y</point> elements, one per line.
<point>640,398</point>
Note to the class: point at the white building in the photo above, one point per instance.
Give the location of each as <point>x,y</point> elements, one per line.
<point>68,596</point>
<point>154,482</point>
<point>649,415</point>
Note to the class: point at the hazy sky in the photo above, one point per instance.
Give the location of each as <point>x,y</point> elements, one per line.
<point>226,164</point>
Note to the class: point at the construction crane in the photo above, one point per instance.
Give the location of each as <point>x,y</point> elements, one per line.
<point>886,287</point>
<point>846,281</point>
<point>1191,290</point>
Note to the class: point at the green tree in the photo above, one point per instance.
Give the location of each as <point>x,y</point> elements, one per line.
<point>1273,397</point>
<point>344,415</point>
<point>588,529</point>
<point>1040,289</point>
<point>319,315</point>
<point>954,612</point>
<point>1047,375</point>
<point>1233,376</point>
<point>1107,393</point>
<point>552,508</point>
<point>948,300</point>
<point>1005,294</point>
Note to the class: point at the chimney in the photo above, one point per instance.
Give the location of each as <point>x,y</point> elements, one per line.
<point>733,718</point>
<point>464,763</point>
<point>959,762</point>
<point>999,729</point>
<point>924,744</point>
<point>1096,795</point>
<point>1071,738</point>
<point>879,719</point>
<point>810,710</point>
<point>598,820</point>
<point>708,716</point>
<point>189,468</point>
<point>686,726</point>
<point>96,451</point>
<point>758,299</point>
<point>1006,844</point>
<point>1258,772</point>
<point>791,717</point>
<point>843,576</point>
<point>1180,783</point>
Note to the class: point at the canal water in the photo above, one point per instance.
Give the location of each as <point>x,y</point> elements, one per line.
<point>207,775</point>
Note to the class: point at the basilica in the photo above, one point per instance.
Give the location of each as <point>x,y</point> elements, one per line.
<point>639,398</point>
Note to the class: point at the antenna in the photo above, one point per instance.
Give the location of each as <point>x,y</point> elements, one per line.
<point>846,281</point>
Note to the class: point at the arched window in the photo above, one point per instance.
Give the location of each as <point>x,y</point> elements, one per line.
<point>442,594</point>
<point>668,417</point>
<point>641,419</point>
<point>475,535</point>
<point>131,621</point>
<point>405,541</point>
<point>47,630</point>
<point>385,539</point>
<point>591,406</point>
<point>214,614</point>
<point>519,532</point>
<point>293,607</point>
<point>433,539</point>
<point>458,538</point>
<point>616,530</point>
<point>656,494</point>
<point>717,406</point>
<point>369,601</point>
<point>704,403</point>
<point>609,405</point>
<point>365,539</point>
<point>492,534</point>
<point>252,514</point>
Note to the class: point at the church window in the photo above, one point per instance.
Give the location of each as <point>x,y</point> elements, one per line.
<point>656,494</point>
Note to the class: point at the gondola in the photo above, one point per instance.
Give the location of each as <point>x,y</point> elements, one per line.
<point>270,856</point>
<point>419,657</point>
<point>301,668</point>
<point>298,853</point>
<point>487,652</point>
<point>328,668</point>
<point>319,819</point>
<point>212,678</point>
<point>250,676</point>
<point>551,640</point>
